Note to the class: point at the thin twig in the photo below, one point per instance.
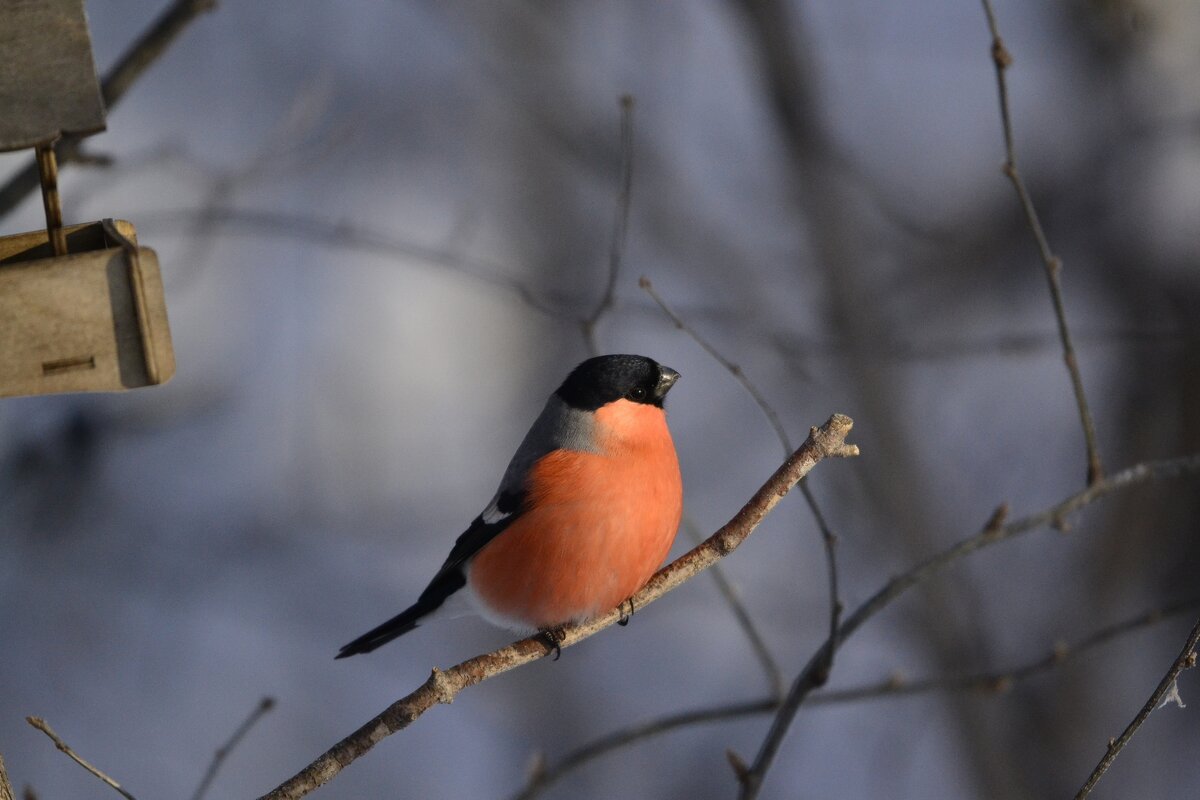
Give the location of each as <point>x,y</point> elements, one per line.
<point>733,369</point>
<point>6,792</point>
<point>988,682</point>
<point>616,250</point>
<point>1002,59</point>
<point>828,539</point>
<point>1002,680</point>
<point>588,328</point>
<point>133,63</point>
<point>1021,343</point>
<point>740,613</point>
<point>1185,660</point>
<point>543,777</point>
<point>41,725</point>
<point>264,705</point>
<point>994,531</point>
<point>769,665</point>
<point>443,686</point>
<point>153,42</point>
<point>338,234</point>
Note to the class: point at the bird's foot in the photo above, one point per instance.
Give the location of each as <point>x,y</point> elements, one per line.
<point>554,638</point>
<point>624,620</point>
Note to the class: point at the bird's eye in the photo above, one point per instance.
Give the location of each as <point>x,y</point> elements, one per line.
<point>637,394</point>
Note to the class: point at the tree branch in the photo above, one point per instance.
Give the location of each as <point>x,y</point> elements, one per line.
<point>616,249</point>
<point>6,792</point>
<point>987,682</point>
<point>264,705</point>
<point>828,539</point>
<point>42,726</point>
<point>141,54</point>
<point>1002,60</point>
<point>332,233</point>
<point>741,614</point>
<point>995,530</point>
<point>733,369</point>
<point>587,326</point>
<point>543,777</point>
<point>828,441</point>
<point>1185,660</point>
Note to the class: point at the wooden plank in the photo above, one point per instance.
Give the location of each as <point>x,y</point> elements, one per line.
<point>48,83</point>
<point>74,323</point>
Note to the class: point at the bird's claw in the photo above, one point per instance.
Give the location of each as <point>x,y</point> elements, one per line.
<point>624,620</point>
<point>554,637</point>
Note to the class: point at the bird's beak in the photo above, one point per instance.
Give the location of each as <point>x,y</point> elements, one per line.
<point>666,379</point>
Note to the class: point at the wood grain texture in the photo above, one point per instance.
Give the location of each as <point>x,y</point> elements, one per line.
<point>74,323</point>
<point>48,83</point>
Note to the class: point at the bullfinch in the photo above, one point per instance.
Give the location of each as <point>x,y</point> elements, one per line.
<point>586,511</point>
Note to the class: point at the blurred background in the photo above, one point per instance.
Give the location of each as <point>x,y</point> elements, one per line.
<point>380,224</point>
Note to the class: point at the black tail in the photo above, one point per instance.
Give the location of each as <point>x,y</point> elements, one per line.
<point>398,625</point>
<point>448,581</point>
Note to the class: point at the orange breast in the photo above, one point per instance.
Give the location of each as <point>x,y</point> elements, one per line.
<point>598,525</point>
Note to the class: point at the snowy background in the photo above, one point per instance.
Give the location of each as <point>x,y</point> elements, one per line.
<point>378,223</point>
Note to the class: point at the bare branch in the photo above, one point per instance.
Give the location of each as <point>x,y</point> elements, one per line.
<point>544,777</point>
<point>339,234</point>
<point>828,441</point>
<point>733,369</point>
<point>616,249</point>
<point>1185,660</point>
<point>760,647</point>
<point>1002,60</point>
<point>828,539</point>
<point>150,45</point>
<point>41,725</point>
<point>995,530</point>
<point>141,54</point>
<point>588,328</point>
<point>896,350</point>
<point>988,682</point>
<point>757,643</point>
<point>1002,680</point>
<point>6,792</point>
<point>264,705</point>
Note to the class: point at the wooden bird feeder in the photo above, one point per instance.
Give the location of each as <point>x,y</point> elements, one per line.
<point>81,307</point>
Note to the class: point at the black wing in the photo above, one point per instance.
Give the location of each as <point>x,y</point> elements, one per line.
<point>448,580</point>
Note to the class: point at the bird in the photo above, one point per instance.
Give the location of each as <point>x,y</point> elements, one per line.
<point>586,511</point>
